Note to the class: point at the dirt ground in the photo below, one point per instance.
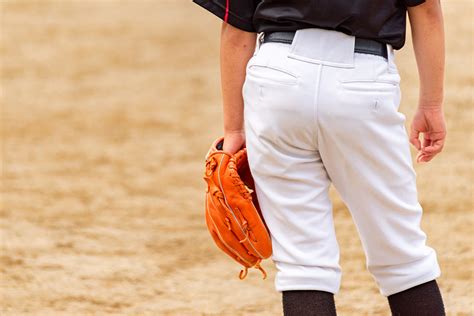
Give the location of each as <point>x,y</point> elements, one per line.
<point>108,108</point>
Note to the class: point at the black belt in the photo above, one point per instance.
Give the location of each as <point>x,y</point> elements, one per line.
<point>362,45</point>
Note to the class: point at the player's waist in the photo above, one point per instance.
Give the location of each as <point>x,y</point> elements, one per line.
<point>361,45</point>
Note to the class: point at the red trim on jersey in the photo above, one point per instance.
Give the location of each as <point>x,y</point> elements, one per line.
<point>226,17</point>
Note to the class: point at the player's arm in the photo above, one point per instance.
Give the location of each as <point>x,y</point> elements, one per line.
<point>236,49</point>
<point>426,22</point>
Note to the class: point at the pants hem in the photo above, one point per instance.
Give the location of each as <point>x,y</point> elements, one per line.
<point>404,282</point>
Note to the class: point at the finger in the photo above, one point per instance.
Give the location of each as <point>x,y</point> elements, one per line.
<point>435,147</point>
<point>426,141</point>
<point>418,157</point>
<point>414,138</point>
<point>426,158</point>
<point>422,156</point>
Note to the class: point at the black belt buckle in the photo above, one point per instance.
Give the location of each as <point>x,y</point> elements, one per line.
<point>362,45</point>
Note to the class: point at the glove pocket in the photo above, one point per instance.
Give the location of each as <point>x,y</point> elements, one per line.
<point>222,231</point>
<point>251,230</point>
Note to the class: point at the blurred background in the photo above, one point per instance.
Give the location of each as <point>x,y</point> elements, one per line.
<point>108,108</point>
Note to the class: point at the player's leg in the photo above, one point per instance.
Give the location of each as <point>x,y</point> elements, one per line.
<point>308,303</point>
<point>365,148</point>
<point>291,181</point>
<point>424,300</point>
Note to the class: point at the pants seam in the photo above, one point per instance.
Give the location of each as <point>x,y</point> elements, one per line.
<point>316,104</point>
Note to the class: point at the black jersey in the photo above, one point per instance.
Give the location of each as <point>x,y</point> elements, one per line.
<point>380,20</point>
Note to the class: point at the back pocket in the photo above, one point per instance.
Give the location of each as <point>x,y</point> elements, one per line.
<point>369,85</point>
<point>272,74</point>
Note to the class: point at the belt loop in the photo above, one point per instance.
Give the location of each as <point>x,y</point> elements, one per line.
<point>391,65</point>
<point>259,42</point>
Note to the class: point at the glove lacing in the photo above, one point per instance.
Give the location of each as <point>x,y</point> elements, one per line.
<point>243,273</point>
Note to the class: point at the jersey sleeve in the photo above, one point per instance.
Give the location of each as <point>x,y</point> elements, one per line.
<point>238,13</point>
<point>412,3</point>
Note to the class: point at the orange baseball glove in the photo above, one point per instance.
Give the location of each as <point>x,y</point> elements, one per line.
<point>233,215</point>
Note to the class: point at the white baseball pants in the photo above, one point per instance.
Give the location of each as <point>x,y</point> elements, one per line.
<point>317,113</point>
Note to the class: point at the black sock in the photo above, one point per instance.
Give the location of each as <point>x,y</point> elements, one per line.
<point>308,303</point>
<point>421,300</point>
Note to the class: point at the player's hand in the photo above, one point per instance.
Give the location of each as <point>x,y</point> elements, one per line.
<point>233,141</point>
<point>430,122</point>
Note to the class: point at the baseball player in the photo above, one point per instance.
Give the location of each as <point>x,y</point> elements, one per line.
<point>311,88</point>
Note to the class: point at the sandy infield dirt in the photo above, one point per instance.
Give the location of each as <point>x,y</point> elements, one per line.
<point>108,108</point>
